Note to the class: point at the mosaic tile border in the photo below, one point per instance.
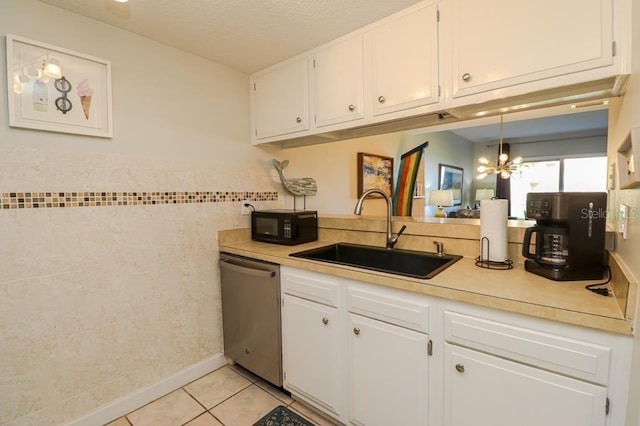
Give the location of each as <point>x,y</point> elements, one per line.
<point>40,200</point>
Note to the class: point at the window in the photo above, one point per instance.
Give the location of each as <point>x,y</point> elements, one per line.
<point>585,174</point>
<point>559,175</point>
<point>536,176</point>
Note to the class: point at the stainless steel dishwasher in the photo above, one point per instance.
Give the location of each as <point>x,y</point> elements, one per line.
<point>251,315</point>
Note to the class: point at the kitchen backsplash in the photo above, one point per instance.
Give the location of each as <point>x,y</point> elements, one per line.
<point>28,200</point>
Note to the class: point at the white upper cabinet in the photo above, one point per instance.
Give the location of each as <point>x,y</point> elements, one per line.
<point>403,62</point>
<point>338,72</point>
<point>428,62</point>
<point>280,98</point>
<point>502,43</point>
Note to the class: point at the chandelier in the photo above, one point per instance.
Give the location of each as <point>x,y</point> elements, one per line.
<point>505,167</point>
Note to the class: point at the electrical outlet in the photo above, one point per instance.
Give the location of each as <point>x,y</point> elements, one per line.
<point>244,210</point>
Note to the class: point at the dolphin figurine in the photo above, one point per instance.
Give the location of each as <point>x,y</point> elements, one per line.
<point>297,186</point>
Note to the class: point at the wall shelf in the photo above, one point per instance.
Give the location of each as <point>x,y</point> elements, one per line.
<point>629,160</point>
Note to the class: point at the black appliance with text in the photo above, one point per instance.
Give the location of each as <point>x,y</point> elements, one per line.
<point>569,235</point>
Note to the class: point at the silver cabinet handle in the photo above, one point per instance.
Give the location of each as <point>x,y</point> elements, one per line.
<point>381,99</point>
<point>298,120</point>
<point>325,320</point>
<point>226,264</point>
<point>466,76</point>
<point>352,107</point>
<point>356,330</point>
<point>460,368</point>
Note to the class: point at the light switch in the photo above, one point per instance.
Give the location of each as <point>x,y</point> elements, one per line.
<point>623,220</point>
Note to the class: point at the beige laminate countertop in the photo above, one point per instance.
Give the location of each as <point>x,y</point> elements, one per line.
<point>514,290</point>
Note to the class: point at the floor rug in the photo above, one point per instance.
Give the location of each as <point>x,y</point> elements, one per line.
<point>282,416</point>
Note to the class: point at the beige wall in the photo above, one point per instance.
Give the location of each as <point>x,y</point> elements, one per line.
<point>444,148</point>
<point>98,302</point>
<point>334,167</point>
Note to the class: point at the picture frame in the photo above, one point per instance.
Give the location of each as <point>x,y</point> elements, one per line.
<point>375,171</point>
<point>451,177</point>
<point>74,98</point>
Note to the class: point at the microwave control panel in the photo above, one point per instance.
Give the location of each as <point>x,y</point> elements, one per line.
<point>287,229</point>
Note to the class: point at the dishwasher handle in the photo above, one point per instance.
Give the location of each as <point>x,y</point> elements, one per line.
<point>246,270</point>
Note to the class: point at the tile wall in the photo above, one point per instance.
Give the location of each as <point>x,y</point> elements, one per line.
<point>27,200</point>
<point>104,293</point>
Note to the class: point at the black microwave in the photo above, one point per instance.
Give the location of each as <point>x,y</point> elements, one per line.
<point>289,227</point>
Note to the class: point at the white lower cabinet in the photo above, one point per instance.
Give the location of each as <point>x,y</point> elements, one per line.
<point>369,355</point>
<point>482,389</point>
<point>388,374</point>
<point>360,370</point>
<point>311,353</point>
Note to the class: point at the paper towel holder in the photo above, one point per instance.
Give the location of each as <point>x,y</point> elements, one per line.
<point>484,262</point>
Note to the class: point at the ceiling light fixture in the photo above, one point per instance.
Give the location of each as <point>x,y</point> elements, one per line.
<point>121,1</point>
<point>504,168</point>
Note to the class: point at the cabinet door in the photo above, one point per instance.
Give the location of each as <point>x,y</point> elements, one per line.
<point>281,100</point>
<point>500,43</point>
<point>339,83</point>
<point>388,371</point>
<point>404,62</point>
<point>481,389</point>
<point>311,351</point>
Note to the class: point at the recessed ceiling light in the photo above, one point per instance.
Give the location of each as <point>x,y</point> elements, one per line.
<point>121,1</point>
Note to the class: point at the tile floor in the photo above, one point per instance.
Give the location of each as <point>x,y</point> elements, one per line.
<point>228,396</point>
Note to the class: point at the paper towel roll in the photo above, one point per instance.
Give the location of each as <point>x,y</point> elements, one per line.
<point>493,226</point>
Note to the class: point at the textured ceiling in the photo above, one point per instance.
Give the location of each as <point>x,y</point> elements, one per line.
<point>247,35</point>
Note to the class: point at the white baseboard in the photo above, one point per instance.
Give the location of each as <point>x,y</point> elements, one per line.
<point>128,403</point>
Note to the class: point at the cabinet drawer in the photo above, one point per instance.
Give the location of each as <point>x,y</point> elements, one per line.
<point>574,358</point>
<point>392,306</point>
<point>310,286</point>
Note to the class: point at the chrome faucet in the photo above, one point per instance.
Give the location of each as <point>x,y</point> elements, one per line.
<point>391,239</point>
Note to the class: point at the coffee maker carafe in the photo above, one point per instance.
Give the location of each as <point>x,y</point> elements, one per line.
<point>569,235</point>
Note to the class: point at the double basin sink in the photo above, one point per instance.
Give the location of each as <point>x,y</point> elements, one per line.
<point>407,263</point>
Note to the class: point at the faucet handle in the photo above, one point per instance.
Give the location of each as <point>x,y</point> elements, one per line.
<point>392,242</point>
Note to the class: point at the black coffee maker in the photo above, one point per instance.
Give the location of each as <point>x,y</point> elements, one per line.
<point>569,235</point>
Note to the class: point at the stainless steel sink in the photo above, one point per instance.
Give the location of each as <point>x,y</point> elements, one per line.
<point>408,263</point>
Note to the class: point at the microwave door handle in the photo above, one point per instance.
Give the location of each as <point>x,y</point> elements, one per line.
<point>247,271</point>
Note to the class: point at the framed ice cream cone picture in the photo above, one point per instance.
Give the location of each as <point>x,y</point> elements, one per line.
<point>58,90</point>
